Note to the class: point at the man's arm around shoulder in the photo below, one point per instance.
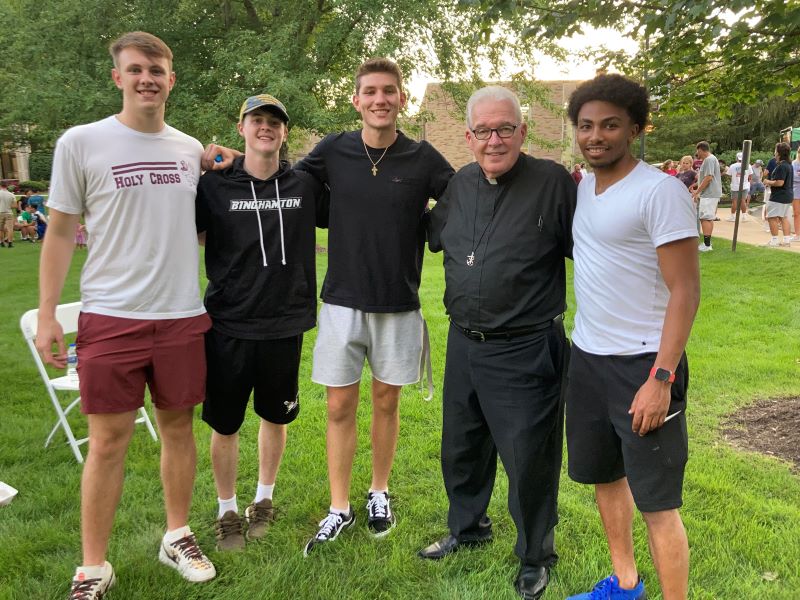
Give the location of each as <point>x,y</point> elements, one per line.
<point>681,272</point>
<point>59,244</point>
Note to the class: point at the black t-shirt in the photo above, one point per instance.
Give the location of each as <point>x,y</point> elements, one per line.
<point>376,236</point>
<point>504,244</point>
<point>782,194</point>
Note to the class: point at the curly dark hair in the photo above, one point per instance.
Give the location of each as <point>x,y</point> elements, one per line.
<point>615,89</point>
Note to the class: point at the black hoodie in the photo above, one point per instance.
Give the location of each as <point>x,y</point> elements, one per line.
<point>260,250</point>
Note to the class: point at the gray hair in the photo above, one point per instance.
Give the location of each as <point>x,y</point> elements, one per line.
<point>496,93</point>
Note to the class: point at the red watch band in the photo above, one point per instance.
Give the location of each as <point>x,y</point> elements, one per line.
<point>671,373</point>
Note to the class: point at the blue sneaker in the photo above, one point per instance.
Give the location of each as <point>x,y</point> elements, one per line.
<point>608,589</point>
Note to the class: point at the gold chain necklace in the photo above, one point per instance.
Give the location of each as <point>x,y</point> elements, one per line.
<point>374,163</point>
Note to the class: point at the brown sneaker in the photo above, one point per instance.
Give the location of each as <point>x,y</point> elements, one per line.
<point>259,516</point>
<point>230,535</point>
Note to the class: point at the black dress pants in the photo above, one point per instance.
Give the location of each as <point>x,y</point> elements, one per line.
<point>505,397</point>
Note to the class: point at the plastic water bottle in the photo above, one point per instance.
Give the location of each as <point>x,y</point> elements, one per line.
<point>72,362</point>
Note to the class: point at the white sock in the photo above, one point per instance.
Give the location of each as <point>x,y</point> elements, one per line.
<point>341,511</point>
<point>226,505</point>
<point>775,239</point>
<point>264,492</point>
<point>176,534</point>
<point>92,571</point>
<point>371,491</point>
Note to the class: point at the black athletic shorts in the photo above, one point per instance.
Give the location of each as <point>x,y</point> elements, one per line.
<point>236,367</point>
<point>602,446</point>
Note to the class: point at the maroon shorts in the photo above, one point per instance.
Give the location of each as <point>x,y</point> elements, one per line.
<point>117,357</point>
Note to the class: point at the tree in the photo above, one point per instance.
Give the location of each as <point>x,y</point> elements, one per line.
<point>56,67</point>
<point>694,54</point>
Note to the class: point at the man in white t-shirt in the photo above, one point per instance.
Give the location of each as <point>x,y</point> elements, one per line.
<point>637,288</point>
<point>133,178</point>
<point>740,198</point>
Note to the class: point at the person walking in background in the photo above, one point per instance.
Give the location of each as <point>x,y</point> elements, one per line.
<point>576,173</point>
<point>781,182</point>
<point>8,202</point>
<point>756,185</point>
<point>708,193</point>
<point>686,172</point>
<point>740,198</point>
<point>796,194</point>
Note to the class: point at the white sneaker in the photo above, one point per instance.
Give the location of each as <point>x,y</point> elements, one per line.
<point>185,556</point>
<point>731,219</point>
<point>745,217</point>
<point>704,248</point>
<point>86,587</point>
<point>773,243</point>
<point>789,238</point>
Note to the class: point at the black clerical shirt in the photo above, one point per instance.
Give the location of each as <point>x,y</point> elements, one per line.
<point>504,244</point>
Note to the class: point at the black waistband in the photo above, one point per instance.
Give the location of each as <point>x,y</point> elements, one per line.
<point>508,334</point>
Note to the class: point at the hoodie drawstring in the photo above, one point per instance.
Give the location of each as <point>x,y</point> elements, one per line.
<point>261,230</point>
<point>280,218</point>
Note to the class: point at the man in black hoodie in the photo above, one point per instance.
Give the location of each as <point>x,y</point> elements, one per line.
<point>256,219</point>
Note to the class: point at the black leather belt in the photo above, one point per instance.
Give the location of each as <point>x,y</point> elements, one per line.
<point>508,334</point>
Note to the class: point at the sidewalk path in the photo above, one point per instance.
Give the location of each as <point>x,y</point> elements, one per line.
<point>751,231</point>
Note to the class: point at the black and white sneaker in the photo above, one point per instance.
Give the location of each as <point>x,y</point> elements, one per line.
<point>380,518</point>
<point>329,529</point>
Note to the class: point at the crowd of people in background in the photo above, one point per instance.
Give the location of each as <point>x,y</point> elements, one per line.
<point>743,185</point>
<point>26,213</point>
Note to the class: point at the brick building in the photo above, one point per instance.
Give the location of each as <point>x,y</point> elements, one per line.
<point>445,130</point>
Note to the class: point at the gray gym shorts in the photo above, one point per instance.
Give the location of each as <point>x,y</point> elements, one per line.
<point>391,343</point>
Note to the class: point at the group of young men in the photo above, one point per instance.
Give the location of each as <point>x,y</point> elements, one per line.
<point>505,225</point>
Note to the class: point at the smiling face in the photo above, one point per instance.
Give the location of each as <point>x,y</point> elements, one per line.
<point>379,100</point>
<point>605,132</point>
<point>495,155</point>
<point>145,81</point>
<point>263,132</point>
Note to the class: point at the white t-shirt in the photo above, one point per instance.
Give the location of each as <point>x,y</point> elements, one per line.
<point>137,192</point>
<point>735,171</point>
<point>620,293</point>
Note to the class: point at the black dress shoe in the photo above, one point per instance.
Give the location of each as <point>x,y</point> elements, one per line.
<point>449,544</point>
<point>531,581</point>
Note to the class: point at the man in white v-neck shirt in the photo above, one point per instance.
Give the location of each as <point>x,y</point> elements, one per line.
<point>637,288</point>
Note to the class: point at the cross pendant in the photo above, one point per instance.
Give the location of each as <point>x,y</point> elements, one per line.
<point>374,170</point>
<point>471,259</point>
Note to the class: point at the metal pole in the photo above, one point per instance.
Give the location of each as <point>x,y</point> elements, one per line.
<point>745,164</point>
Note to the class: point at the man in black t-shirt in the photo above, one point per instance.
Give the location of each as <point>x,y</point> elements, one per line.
<point>780,201</point>
<point>380,183</point>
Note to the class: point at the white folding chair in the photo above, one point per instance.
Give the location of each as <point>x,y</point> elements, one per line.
<point>67,316</point>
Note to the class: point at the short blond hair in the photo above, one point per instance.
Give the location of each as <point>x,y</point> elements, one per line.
<point>146,43</point>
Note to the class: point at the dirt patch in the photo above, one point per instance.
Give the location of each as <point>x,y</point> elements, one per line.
<point>321,249</point>
<point>769,426</point>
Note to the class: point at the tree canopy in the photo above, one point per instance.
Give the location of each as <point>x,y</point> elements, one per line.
<point>56,65</point>
<point>694,54</point>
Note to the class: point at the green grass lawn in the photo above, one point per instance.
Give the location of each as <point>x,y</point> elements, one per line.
<point>742,510</point>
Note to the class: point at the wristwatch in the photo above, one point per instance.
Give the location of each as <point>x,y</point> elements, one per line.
<point>662,374</point>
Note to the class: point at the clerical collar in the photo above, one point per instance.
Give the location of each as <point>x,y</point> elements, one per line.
<point>508,175</point>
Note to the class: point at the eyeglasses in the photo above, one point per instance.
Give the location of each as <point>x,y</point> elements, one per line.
<point>504,132</point>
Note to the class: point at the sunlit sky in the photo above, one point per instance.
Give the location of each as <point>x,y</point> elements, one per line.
<point>550,69</point>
